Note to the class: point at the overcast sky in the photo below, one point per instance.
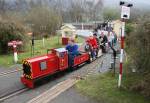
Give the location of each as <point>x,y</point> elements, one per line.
<point>140,4</point>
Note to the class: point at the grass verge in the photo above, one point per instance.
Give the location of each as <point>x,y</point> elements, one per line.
<point>103,88</point>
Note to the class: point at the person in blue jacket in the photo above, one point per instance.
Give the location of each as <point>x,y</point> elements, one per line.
<point>72,48</point>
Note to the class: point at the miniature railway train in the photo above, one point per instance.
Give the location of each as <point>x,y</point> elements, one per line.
<point>55,61</point>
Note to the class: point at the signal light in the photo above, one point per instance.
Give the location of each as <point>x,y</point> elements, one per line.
<point>122,2</point>
<point>125,3</point>
<point>129,5</point>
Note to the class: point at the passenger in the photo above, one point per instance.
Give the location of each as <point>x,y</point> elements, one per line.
<point>88,46</point>
<point>98,43</point>
<point>97,39</point>
<point>109,40</point>
<point>72,48</point>
<point>104,40</point>
<point>93,45</point>
<point>115,38</point>
<point>93,42</point>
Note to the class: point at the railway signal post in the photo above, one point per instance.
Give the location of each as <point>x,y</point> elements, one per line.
<point>125,14</point>
<point>14,45</point>
<point>32,45</point>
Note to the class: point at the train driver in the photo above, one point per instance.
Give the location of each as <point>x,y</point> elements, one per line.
<point>72,48</point>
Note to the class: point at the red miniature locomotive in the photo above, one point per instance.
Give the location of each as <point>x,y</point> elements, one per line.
<point>42,66</point>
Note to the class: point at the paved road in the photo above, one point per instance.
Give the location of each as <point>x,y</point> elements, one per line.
<point>13,82</point>
<point>10,82</point>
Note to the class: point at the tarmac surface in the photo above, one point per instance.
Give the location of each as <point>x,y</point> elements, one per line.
<point>11,82</point>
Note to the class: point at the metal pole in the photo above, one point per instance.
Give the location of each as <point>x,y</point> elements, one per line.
<point>32,45</point>
<point>121,54</point>
<point>15,53</point>
<point>114,55</point>
<point>114,65</point>
<point>125,14</point>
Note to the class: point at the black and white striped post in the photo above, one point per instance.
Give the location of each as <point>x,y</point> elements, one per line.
<point>125,14</point>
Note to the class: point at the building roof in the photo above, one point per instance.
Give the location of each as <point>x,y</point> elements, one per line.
<point>70,26</point>
<point>85,23</point>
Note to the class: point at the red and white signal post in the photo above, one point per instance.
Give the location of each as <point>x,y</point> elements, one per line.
<point>125,14</point>
<point>14,45</point>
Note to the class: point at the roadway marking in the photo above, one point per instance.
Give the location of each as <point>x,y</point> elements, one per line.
<point>53,92</point>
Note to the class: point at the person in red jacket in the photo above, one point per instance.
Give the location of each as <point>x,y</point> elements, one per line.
<point>91,41</point>
<point>98,43</point>
<point>94,42</point>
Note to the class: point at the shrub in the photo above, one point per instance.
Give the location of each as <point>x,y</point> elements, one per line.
<point>129,28</point>
<point>139,45</point>
<point>138,48</point>
<point>10,31</point>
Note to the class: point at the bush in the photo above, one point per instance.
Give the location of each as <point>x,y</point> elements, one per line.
<point>139,45</point>
<point>138,49</point>
<point>10,31</point>
<point>129,28</point>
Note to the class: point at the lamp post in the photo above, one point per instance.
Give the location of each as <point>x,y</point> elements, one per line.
<point>125,14</point>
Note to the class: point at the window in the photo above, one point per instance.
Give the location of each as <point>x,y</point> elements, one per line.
<point>43,65</point>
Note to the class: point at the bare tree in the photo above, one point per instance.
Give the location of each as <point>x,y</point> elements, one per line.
<point>2,7</point>
<point>93,9</point>
<point>44,20</point>
<point>76,12</point>
<point>21,5</point>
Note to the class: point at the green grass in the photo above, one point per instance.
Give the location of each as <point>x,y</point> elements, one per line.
<point>52,42</point>
<point>103,88</point>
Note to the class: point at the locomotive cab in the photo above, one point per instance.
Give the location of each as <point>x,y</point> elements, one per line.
<point>62,55</point>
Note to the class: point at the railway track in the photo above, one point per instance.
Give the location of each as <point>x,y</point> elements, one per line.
<point>12,94</point>
<point>9,72</point>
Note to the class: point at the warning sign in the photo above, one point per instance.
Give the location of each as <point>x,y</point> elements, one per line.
<point>125,12</point>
